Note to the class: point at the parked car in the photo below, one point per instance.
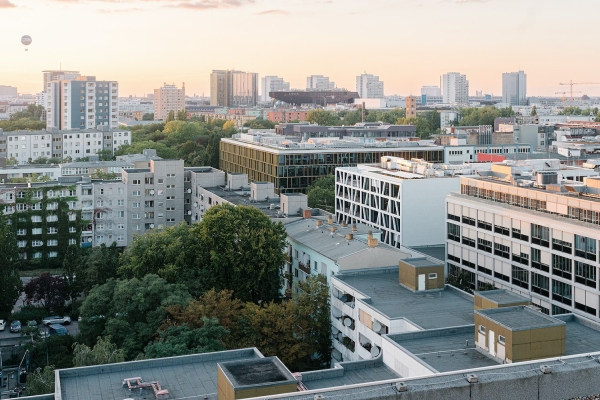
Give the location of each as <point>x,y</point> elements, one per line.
<point>56,329</point>
<point>55,319</point>
<point>2,325</point>
<point>15,327</point>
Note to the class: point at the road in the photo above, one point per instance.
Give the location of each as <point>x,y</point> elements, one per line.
<point>11,339</point>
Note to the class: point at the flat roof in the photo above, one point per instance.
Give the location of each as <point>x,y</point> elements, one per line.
<point>447,350</point>
<point>193,376</point>
<point>502,296</point>
<point>519,318</point>
<point>438,252</point>
<point>349,373</point>
<point>440,309</point>
<point>256,372</point>
<point>422,262</point>
<point>242,198</point>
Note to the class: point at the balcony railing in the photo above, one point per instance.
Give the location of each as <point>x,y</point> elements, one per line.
<point>304,267</point>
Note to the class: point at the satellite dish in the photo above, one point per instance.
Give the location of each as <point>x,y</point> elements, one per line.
<point>26,41</point>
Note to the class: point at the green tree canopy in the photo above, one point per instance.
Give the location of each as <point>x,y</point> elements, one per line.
<point>41,382</point>
<point>181,340</point>
<point>103,352</point>
<point>241,250</point>
<point>323,117</point>
<point>9,274</point>
<point>321,194</point>
<point>259,123</point>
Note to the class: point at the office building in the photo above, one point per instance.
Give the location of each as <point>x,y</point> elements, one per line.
<point>369,86</point>
<point>26,146</point>
<point>233,88</point>
<point>402,198</point>
<point>272,84</point>
<point>293,165</point>
<point>319,82</point>
<point>433,91</point>
<point>455,88</point>
<point>166,99</point>
<point>82,103</point>
<point>367,130</point>
<point>514,88</point>
<point>530,228</point>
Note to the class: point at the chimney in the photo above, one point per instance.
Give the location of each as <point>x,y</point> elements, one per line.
<point>349,236</point>
<point>306,213</point>
<point>332,229</point>
<point>344,224</point>
<point>330,220</point>
<point>371,241</point>
<point>354,228</point>
<point>319,223</point>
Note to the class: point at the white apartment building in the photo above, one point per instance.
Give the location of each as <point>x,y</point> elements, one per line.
<point>404,199</point>
<point>26,146</point>
<point>369,87</point>
<point>166,99</point>
<point>455,88</point>
<point>82,103</point>
<point>319,82</point>
<point>272,84</point>
<point>531,229</point>
<point>448,119</point>
<point>428,91</point>
<point>514,88</point>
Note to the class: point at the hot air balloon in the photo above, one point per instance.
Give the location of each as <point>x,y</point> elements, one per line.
<point>26,40</point>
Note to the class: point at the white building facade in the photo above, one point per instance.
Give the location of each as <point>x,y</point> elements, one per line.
<point>272,84</point>
<point>539,241</point>
<point>319,82</point>
<point>455,88</point>
<point>514,88</point>
<point>369,87</point>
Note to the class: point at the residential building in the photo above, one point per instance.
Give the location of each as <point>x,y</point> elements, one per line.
<point>286,115</point>
<point>293,165</point>
<point>233,88</point>
<point>26,146</point>
<point>514,88</point>
<point>369,86</point>
<point>431,91</point>
<point>411,107</point>
<point>404,199</point>
<point>455,88</point>
<point>155,195</point>
<point>319,82</point>
<point>58,75</point>
<point>82,103</point>
<point>166,99</point>
<point>272,84</point>
<point>530,228</point>
<point>458,151</point>
<point>448,119</point>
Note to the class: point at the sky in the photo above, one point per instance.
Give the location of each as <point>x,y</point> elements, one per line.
<point>407,43</point>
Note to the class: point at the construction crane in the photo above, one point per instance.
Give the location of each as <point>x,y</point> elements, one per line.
<point>564,94</point>
<point>571,83</point>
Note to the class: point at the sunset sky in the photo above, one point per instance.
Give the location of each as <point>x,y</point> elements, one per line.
<point>407,43</point>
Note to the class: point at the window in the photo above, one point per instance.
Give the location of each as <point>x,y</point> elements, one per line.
<point>536,261</point>
<point>136,205</point>
<point>454,217</point>
<point>502,250</point>
<point>160,180</point>
<point>36,231</point>
<point>36,218</point>
<point>520,277</point>
<point>160,192</point>
<point>137,192</point>
<point>72,229</point>
<point>170,197</point>
<point>121,214</point>
<point>540,284</point>
<point>562,266</point>
<point>37,243</point>
<point>454,232</point>
<point>52,242</point>
<point>482,329</point>
<point>431,276</point>
<point>100,239</point>
<point>21,232</point>
<point>296,254</point>
<point>37,255</point>
<point>484,225</point>
<point>137,181</point>
<point>484,245</point>
<point>159,215</point>
<point>120,202</point>
<point>585,247</point>
<point>72,241</point>
<point>120,238</point>
<point>53,254</point>
<point>561,245</point>
<point>561,292</point>
<point>170,219</point>
<point>501,340</point>
<point>170,175</point>
<point>22,243</point>
<point>135,216</point>
<point>501,230</point>
<point>120,226</point>
<point>585,274</point>
<point>170,186</point>
<point>99,227</point>
<point>468,221</point>
<point>540,235</point>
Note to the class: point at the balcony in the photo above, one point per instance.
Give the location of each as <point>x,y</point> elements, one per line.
<point>304,267</point>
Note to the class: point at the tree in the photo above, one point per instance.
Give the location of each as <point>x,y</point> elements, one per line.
<point>533,111</point>
<point>103,352</point>
<point>41,382</point>
<point>169,253</point>
<point>241,250</point>
<point>9,274</point>
<point>148,117</point>
<point>323,117</point>
<point>47,290</point>
<point>32,112</point>
<point>181,340</point>
<point>170,116</point>
<point>99,174</point>
<point>259,123</point>
<point>130,311</point>
<point>321,194</point>
<point>181,115</point>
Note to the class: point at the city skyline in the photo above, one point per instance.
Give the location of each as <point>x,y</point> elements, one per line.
<point>141,57</point>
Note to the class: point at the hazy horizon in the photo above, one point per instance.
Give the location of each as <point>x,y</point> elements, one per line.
<point>408,44</point>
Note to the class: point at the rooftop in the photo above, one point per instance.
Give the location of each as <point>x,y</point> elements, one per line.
<point>348,373</point>
<point>270,207</point>
<point>193,376</point>
<point>448,307</point>
<point>253,372</point>
<point>438,252</point>
<point>519,318</point>
<point>422,262</point>
<point>502,296</point>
